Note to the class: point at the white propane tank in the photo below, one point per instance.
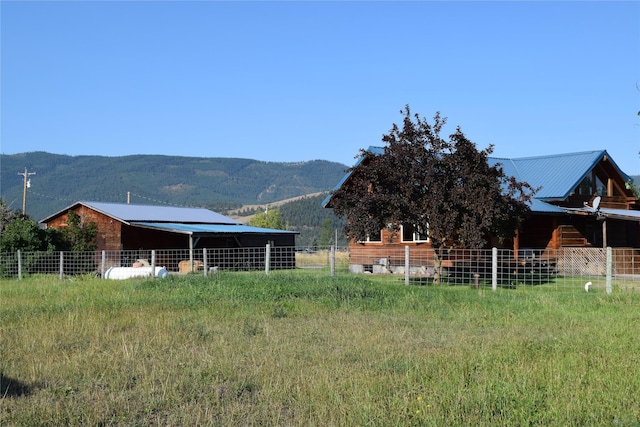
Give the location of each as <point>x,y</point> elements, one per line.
<point>121,273</point>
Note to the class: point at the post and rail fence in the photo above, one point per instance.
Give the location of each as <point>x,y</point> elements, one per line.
<point>570,268</point>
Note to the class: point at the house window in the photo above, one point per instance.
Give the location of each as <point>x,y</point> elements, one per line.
<point>374,237</point>
<point>601,186</point>
<point>586,187</point>
<point>594,184</point>
<point>412,233</point>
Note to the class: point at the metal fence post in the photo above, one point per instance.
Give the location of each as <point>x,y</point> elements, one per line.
<point>406,265</point>
<point>332,260</point>
<point>19,265</point>
<point>61,265</point>
<point>103,265</point>
<point>609,270</point>
<point>204,261</point>
<point>267,258</point>
<point>494,269</point>
<point>153,263</point>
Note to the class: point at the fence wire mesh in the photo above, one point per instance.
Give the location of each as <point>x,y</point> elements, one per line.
<point>564,269</point>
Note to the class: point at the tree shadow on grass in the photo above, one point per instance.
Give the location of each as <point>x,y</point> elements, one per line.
<point>11,387</point>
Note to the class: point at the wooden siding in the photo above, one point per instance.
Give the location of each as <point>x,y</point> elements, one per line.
<point>109,230</point>
<point>390,247</point>
<point>538,232</point>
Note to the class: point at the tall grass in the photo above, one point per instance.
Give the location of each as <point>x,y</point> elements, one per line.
<point>297,349</point>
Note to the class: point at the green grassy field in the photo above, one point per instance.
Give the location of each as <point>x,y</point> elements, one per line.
<point>299,349</point>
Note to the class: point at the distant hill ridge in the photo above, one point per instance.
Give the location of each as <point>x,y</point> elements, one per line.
<point>220,184</point>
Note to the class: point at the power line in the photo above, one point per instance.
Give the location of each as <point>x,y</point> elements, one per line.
<point>157,201</point>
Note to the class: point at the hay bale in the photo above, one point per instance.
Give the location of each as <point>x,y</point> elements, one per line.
<point>184,266</point>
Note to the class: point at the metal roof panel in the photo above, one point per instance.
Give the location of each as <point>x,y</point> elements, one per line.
<point>130,213</point>
<point>556,175</point>
<point>210,228</point>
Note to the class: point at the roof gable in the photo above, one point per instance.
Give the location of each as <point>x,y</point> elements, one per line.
<point>556,175</point>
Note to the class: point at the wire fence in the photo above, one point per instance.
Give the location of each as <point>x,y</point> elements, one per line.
<point>585,269</point>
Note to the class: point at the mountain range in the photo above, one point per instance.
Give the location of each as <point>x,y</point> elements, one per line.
<point>234,186</point>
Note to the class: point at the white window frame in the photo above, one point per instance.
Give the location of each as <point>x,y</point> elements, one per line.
<point>416,237</point>
<point>369,240</point>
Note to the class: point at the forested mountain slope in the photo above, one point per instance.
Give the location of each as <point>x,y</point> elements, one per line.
<point>216,183</point>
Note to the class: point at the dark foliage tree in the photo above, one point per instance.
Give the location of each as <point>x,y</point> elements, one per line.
<point>443,187</point>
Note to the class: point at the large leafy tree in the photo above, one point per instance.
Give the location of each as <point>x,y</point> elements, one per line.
<point>79,236</point>
<point>269,219</point>
<point>19,232</point>
<point>23,233</point>
<point>6,215</point>
<point>445,188</point>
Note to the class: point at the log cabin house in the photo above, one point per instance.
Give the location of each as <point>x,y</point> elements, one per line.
<point>562,215</point>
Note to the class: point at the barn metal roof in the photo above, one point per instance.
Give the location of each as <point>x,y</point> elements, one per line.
<point>556,175</point>
<point>175,227</point>
<point>128,213</point>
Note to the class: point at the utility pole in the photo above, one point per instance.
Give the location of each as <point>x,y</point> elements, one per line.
<point>27,184</point>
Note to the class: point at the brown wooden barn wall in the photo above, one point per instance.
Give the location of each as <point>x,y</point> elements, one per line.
<point>109,230</point>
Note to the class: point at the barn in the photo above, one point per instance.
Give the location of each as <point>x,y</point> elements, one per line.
<point>140,228</point>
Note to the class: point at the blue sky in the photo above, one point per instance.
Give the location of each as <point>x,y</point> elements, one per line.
<point>296,81</point>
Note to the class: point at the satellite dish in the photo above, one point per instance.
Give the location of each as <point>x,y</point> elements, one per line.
<point>596,202</point>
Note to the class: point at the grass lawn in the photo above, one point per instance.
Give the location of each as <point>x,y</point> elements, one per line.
<point>294,348</point>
